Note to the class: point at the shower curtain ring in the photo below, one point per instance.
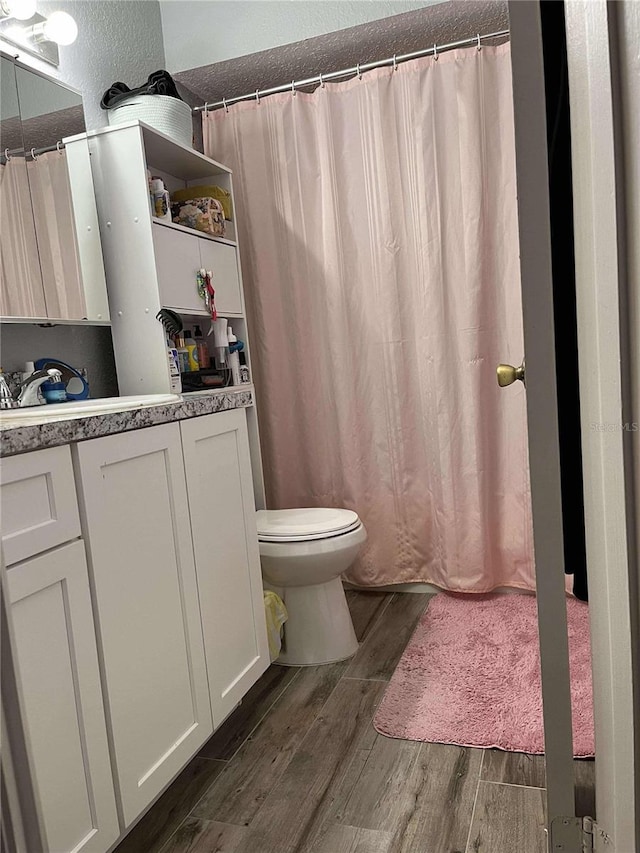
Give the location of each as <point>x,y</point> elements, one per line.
<point>7,156</point>
<point>34,156</point>
<point>257,96</point>
<point>224,104</point>
<point>322,84</point>
<point>435,52</point>
<point>358,72</point>
<point>206,107</point>
<point>293,87</point>
<point>479,45</point>
<point>59,146</point>
<point>395,64</point>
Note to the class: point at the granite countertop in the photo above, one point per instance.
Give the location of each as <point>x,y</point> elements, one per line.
<point>23,437</point>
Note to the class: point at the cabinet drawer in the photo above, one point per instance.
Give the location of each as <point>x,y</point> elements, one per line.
<point>39,505</point>
<point>223,262</point>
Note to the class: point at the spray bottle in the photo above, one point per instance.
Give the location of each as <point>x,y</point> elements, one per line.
<point>233,357</point>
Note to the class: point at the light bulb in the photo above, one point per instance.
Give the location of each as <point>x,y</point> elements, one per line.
<point>22,10</point>
<point>61,28</point>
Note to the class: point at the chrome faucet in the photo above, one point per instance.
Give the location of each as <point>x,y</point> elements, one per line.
<point>28,390</point>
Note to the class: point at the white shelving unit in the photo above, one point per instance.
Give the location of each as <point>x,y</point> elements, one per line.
<point>152,264</point>
<point>177,227</point>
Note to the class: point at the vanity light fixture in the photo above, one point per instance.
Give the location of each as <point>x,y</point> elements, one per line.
<point>59,27</point>
<point>42,35</point>
<point>21,10</point>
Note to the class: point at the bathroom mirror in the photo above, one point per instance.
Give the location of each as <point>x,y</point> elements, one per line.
<point>52,265</point>
<point>21,288</point>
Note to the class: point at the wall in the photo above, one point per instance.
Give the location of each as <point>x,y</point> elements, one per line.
<point>200,33</point>
<point>79,346</point>
<point>441,22</point>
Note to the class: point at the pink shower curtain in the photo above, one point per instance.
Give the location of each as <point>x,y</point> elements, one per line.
<point>378,225</point>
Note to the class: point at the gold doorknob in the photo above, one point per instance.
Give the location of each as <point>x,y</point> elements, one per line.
<point>507,374</point>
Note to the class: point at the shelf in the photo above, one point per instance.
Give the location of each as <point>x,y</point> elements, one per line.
<point>230,389</point>
<point>193,232</point>
<point>168,155</point>
<point>54,321</point>
<point>203,315</point>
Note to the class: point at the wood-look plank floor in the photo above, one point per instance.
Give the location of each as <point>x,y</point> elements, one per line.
<point>299,768</point>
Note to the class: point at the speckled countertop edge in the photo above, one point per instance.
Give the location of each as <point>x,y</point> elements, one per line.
<point>22,438</point>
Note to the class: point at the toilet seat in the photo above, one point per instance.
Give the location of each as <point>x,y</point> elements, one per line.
<point>304,525</point>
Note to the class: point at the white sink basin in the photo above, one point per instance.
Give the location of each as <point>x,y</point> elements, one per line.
<point>57,411</point>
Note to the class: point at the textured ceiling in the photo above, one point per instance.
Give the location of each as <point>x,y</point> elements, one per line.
<point>440,23</point>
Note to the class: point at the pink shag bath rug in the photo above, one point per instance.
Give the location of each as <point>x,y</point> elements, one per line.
<point>471,676</point>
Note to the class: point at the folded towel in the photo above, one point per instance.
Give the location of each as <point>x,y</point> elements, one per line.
<point>158,83</point>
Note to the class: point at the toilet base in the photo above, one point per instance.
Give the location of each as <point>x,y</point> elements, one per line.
<point>319,629</point>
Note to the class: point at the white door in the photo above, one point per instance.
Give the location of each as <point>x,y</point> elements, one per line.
<point>542,416</point>
<point>601,357</point>
<point>219,483</point>
<point>57,670</point>
<point>136,524</point>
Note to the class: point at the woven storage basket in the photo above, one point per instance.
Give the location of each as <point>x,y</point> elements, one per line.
<point>168,115</point>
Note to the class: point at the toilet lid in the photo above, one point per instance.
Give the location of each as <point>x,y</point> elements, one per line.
<point>296,525</point>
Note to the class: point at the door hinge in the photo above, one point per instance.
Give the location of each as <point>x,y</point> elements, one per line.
<point>578,835</point>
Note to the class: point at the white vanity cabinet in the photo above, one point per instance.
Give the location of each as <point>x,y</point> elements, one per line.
<point>55,653</point>
<point>136,524</point>
<point>225,542</point>
<point>134,642</point>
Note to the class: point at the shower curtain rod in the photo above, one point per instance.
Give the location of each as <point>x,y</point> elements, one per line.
<point>347,72</point>
<point>7,154</point>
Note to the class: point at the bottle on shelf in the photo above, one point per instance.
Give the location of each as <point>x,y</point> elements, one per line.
<point>233,358</point>
<point>183,355</point>
<point>161,200</point>
<point>175,382</point>
<point>192,352</point>
<point>204,357</point>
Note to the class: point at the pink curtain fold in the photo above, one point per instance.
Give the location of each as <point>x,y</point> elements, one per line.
<point>378,229</point>
<point>21,290</point>
<point>56,233</point>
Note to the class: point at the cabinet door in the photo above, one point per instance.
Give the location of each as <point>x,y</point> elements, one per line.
<point>222,260</point>
<point>218,466</point>
<point>177,263</point>
<point>136,524</point>
<point>57,666</point>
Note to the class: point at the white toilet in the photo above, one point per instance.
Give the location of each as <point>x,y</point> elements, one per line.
<point>303,552</point>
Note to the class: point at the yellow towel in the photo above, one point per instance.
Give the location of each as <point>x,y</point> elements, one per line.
<point>276,614</point>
